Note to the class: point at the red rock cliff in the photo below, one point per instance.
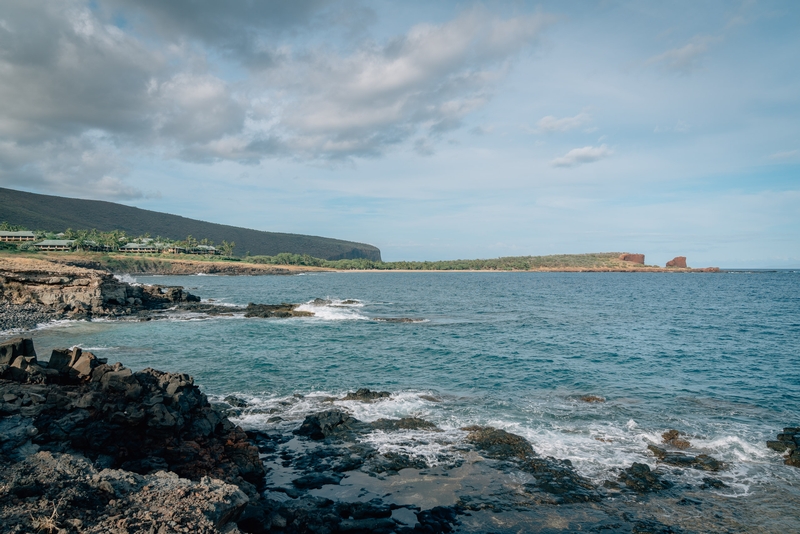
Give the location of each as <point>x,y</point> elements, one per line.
<point>678,261</point>
<point>633,258</point>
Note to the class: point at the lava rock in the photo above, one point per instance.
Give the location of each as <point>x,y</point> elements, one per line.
<point>639,478</point>
<point>367,395</point>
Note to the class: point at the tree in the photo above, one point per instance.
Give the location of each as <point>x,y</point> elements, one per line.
<point>227,248</point>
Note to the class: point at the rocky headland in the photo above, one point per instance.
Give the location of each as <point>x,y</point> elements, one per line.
<point>35,291</point>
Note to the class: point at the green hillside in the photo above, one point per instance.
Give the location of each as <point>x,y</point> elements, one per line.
<point>45,212</point>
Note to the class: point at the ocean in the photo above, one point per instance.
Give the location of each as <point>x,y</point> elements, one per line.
<point>715,356</point>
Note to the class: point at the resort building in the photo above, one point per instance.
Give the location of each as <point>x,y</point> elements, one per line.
<point>17,236</point>
<point>140,248</point>
<point>55,244</point>
<point>203,249</point>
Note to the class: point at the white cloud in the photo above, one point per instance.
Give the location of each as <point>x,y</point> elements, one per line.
<point>683,59</point>
<point>426,80</point>
<point>73,79</point>
<point>579,156</point>
<point>785,154</point>
<point>553,124</point>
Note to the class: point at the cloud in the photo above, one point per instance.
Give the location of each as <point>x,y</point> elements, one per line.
<point>145,77</point>
<point>579,156</point>
<point>85,165</point>
<point>785,154</point>
<point>243,31</point>
<point>429,79</point>
<point>684,59</point>
<point>551,124</point>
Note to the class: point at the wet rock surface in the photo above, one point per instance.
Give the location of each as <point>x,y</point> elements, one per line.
<point>94,447</point>
<point>367,395</point>
<point>700,461</point>
<point>268,311</point>
<point>123,426</point>
<point>787,442</point>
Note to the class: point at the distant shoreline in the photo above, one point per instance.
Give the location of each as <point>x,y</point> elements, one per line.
<point>151,264</point>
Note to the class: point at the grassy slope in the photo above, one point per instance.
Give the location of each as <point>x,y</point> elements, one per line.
<point>51,213</point>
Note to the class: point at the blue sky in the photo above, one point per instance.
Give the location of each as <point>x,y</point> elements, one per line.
<point>431,130</point>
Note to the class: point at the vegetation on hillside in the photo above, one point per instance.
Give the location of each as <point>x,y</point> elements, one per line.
<point>59,213</point>
<point>606,260</point>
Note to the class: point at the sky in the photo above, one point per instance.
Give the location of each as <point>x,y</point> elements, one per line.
<point>432,130</point>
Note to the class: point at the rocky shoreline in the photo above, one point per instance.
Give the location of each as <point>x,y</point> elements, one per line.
<point>92,447</point>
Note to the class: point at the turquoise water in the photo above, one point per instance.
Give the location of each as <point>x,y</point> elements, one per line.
<point>713,355</point>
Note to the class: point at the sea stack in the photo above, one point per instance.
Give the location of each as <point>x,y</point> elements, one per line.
<point>678,261</point>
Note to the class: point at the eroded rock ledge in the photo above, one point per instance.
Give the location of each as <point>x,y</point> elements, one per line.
<point>42,289</point>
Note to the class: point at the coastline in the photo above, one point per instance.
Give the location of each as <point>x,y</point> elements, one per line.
<point>93,447</point>
<point>326,461</point>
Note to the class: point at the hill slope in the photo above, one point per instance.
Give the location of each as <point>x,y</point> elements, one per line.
<point>45,212</point>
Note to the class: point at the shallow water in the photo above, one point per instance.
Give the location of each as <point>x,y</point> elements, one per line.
<point>712,355</point>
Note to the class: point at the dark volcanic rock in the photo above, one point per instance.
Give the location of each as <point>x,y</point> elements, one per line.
<point>367,395</point>
<point>701,461</point>
<point>267,311</point>
<point>145,420</point>
<point>406,423</point>
<point>499,444</point>
<point>641,479</point>
<point>789,442</point>
<point>555,480</point>
<point>324,424</point>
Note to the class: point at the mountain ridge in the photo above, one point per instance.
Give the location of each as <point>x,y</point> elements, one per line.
<point>54,213</point>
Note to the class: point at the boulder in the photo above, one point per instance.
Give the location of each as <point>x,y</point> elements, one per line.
<point>639,478</point>
<point>679,459</point>
<point>324,424</point>
<point>499,444</point>
<point>678,261</point>
<point>267,311</point>
<point>366,395</point>
<point>789,442</point>
<point>672,437</point>
<point>12,348</point>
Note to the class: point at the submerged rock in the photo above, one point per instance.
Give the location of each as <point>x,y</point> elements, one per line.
<point>701,461</point>
<point>367,395</point>
<point>553,477</point>
<point>672,437</point>
<point>405,423</point>
<point>267,311</point>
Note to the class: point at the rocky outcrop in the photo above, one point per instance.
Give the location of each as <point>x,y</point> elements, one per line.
<point>678,261</point>
<point>641,479</point>
<point>143,423</point>
<point>76,292</point>
<point>84,497</point>
<point>679,459</point>
<point>366,395</point>
<point>633,258</point>
<point>267,311</point>
<point>787,442</point>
